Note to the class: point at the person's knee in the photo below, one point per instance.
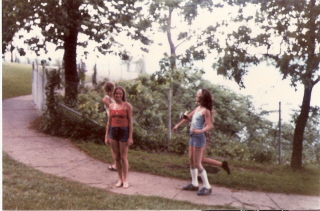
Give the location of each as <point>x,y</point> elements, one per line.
<point>118,158</point>
<point>123,158</point>
<point>198,166</point>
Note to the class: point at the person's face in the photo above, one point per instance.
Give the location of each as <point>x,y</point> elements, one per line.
<point>118,95</point>
<point>199,96</point>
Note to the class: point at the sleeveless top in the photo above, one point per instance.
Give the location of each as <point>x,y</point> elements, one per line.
<point>119,118</point>
<point>111,101</point>
<point>198,121</point>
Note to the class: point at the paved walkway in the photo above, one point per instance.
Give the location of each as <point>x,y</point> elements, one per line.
<point>59,157</point>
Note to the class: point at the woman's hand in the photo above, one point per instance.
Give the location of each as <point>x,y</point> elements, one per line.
<point>130,141</point>
<point>175,128</point>
<point>196,131</point>
<point>107,140</point>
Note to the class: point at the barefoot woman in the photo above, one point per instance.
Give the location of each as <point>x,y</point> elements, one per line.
<point>120,133</point>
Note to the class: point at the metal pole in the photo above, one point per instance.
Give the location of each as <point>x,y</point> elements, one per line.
<point>169,117</point>
<point>279,144</point>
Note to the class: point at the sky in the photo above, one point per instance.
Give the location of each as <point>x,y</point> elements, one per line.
<point>264,83</point>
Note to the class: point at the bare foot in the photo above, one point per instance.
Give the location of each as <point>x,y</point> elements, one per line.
<point>119,184</point>
<point>125,185</point>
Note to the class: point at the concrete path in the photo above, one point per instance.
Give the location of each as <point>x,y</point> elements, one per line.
<point>59,157</point>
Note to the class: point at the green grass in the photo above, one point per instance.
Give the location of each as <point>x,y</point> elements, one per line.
<point>247,176</point>
<point>25,188</point>
<point>16,80</point>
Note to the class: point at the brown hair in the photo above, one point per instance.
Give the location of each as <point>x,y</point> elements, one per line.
<point>206,99</point>
<point>108,87</point>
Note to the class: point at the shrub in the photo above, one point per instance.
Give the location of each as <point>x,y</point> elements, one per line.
<point>51,121</point>
<point>262,156</point>
<point>228,147</point>
<point>179,143</point>
<point>149,140</point>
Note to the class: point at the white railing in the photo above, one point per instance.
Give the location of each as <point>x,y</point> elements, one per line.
<point>38,86</point>
<point>39,81</point>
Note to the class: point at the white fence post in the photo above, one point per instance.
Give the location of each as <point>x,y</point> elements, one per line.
<point>39,81</point>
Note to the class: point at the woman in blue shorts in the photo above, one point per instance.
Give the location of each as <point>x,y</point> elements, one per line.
<point>119,133</point>
<point>201,121</point>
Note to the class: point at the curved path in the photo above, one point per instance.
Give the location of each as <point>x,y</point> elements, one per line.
<point>59,157</point>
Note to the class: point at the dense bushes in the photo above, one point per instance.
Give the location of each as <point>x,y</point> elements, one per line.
<point>233,135</point>
<point>60,120</point>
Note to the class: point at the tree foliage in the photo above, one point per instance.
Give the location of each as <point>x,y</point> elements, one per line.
<point>14,15</point>
<point>288,37</point>
<point>62,21</point>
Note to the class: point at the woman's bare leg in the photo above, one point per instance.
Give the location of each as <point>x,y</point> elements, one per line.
<point>197,157</point>
<point>209,160</point>
<point>116,149</point>
<point>124,163</point>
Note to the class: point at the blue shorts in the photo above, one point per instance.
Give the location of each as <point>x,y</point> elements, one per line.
<point>119,133</point>
<point>197,140</point>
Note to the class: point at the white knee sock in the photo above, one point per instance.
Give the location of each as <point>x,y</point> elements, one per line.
<point>194,176</point>
<point>204,178</point>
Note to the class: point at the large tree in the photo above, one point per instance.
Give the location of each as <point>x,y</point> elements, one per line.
<point>288,36</point>
<point>61,22</point>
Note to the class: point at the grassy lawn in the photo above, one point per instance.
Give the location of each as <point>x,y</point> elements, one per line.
<point>27,189</point>
<point>16,79</point>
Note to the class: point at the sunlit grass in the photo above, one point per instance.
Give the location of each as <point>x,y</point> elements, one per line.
<point>16,80</point>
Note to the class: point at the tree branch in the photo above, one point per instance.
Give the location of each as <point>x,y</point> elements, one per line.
<point>316,81</point>
<point>188,38</point>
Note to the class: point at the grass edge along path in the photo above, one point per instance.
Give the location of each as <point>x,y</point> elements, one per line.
<point>25,188</point>
<point>244,175</point>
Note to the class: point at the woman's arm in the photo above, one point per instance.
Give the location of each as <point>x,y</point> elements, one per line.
<point>106,139</point>
<point>106,101</point>
<point>208,119</point>
<point>184,120</point>
<point>129,109</point>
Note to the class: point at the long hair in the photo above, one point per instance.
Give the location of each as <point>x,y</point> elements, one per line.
<point>206,100</point>
<point>124,93</point>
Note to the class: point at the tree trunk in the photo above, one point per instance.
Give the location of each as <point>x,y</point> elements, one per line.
<point>296,158</point>
<point>311,66</point>
<point>70,56</point>
<point>11,52</point>
<point>172,67</point>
